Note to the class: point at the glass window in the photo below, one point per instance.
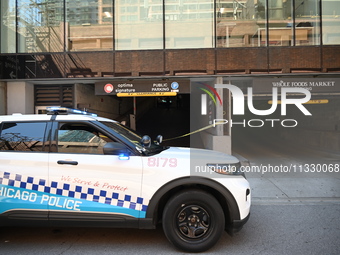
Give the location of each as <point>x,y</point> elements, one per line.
<point>280,25</point>
<point>331,22</point>
<point>22,136</point>
<point>8,26</point>
<point>80,138</point>
<point>285,29</point>
<point>40,26</point>
<point>189,24</point>
<point>138,24</point>
<point>134,138</point>
<point>307,22</point>
<point>241,23</point>
<point>89,25</point>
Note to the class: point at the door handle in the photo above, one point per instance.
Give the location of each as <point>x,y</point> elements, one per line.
<point>65,162</point>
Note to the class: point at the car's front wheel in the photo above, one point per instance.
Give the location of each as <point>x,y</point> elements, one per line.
<point>193,221</point>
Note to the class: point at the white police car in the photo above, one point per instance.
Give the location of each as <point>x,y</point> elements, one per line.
<point>63,169</point>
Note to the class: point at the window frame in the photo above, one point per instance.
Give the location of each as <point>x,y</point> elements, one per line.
<point>45,145</point>
<point>82,146</point>
<point>96,125</point>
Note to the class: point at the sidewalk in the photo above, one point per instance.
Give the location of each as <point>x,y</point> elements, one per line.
<point>293,183</point>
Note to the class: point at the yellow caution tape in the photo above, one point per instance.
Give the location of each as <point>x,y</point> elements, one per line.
<point>196,131</point>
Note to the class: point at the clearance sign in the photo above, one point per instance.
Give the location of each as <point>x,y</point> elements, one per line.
<point>142,88</point>
<point>147,94</point>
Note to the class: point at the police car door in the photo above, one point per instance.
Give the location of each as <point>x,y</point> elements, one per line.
<point>23,169</point>
<point>88,184</point>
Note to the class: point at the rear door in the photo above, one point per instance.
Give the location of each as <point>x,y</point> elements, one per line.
<point>88,185</point>
<point>23,170</point>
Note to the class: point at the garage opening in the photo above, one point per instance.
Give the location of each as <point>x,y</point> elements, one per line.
<point>169,117</point>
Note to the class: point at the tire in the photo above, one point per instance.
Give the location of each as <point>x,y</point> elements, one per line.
<point>193,221</point>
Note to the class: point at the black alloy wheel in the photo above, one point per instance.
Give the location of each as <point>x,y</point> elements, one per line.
<point>193,221</point>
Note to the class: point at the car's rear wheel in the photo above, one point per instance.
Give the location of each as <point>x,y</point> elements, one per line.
<point>193,221</point>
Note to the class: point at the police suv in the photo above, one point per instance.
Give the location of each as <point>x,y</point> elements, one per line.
<point>68,169</point>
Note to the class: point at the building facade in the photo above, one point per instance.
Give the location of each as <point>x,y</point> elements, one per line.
<point>62,38</point>
<point>54,51</point>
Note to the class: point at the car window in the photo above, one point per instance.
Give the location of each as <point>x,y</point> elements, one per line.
<point>22,136</point>
<point>134,138</point>
<point>80,138</point>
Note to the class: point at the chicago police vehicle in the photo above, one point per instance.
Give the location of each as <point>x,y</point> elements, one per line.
<point>66,169</point>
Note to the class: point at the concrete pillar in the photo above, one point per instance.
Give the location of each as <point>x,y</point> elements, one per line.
<point>3,98</point>
<point>219,140</point>
<point>20,98</point>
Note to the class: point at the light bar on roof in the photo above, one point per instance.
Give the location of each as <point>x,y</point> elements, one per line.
<point>65,110</point>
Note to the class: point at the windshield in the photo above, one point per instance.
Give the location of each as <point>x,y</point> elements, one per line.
<point>134,138</point>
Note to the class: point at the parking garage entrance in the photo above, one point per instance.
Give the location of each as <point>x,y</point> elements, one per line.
<point>171,107</point>
<point>157,106</point>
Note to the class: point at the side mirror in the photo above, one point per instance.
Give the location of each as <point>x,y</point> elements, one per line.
<point>159,139</point>
<point>146,141</point>
<point>114,148</point>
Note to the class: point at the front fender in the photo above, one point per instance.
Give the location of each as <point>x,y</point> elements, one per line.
<point>221,193</point>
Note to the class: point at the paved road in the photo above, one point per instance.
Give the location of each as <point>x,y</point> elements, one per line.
<point>272,229</point>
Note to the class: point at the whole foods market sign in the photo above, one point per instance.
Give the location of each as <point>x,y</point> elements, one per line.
<point>314,85</point>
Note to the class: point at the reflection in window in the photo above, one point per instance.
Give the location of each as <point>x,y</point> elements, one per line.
<point>89,25</point>
<point>331,22</point>
<point>307,22</point>
<point>244,23</point>
<point>22,136</point>
<point>40,26</point>
<point>189,24</point>
<point>286,31</point>
<point>79,138</point>
<point>280,25</point>
<point>138,24</point>
<point>239,23</point>
<point>7,26</point>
